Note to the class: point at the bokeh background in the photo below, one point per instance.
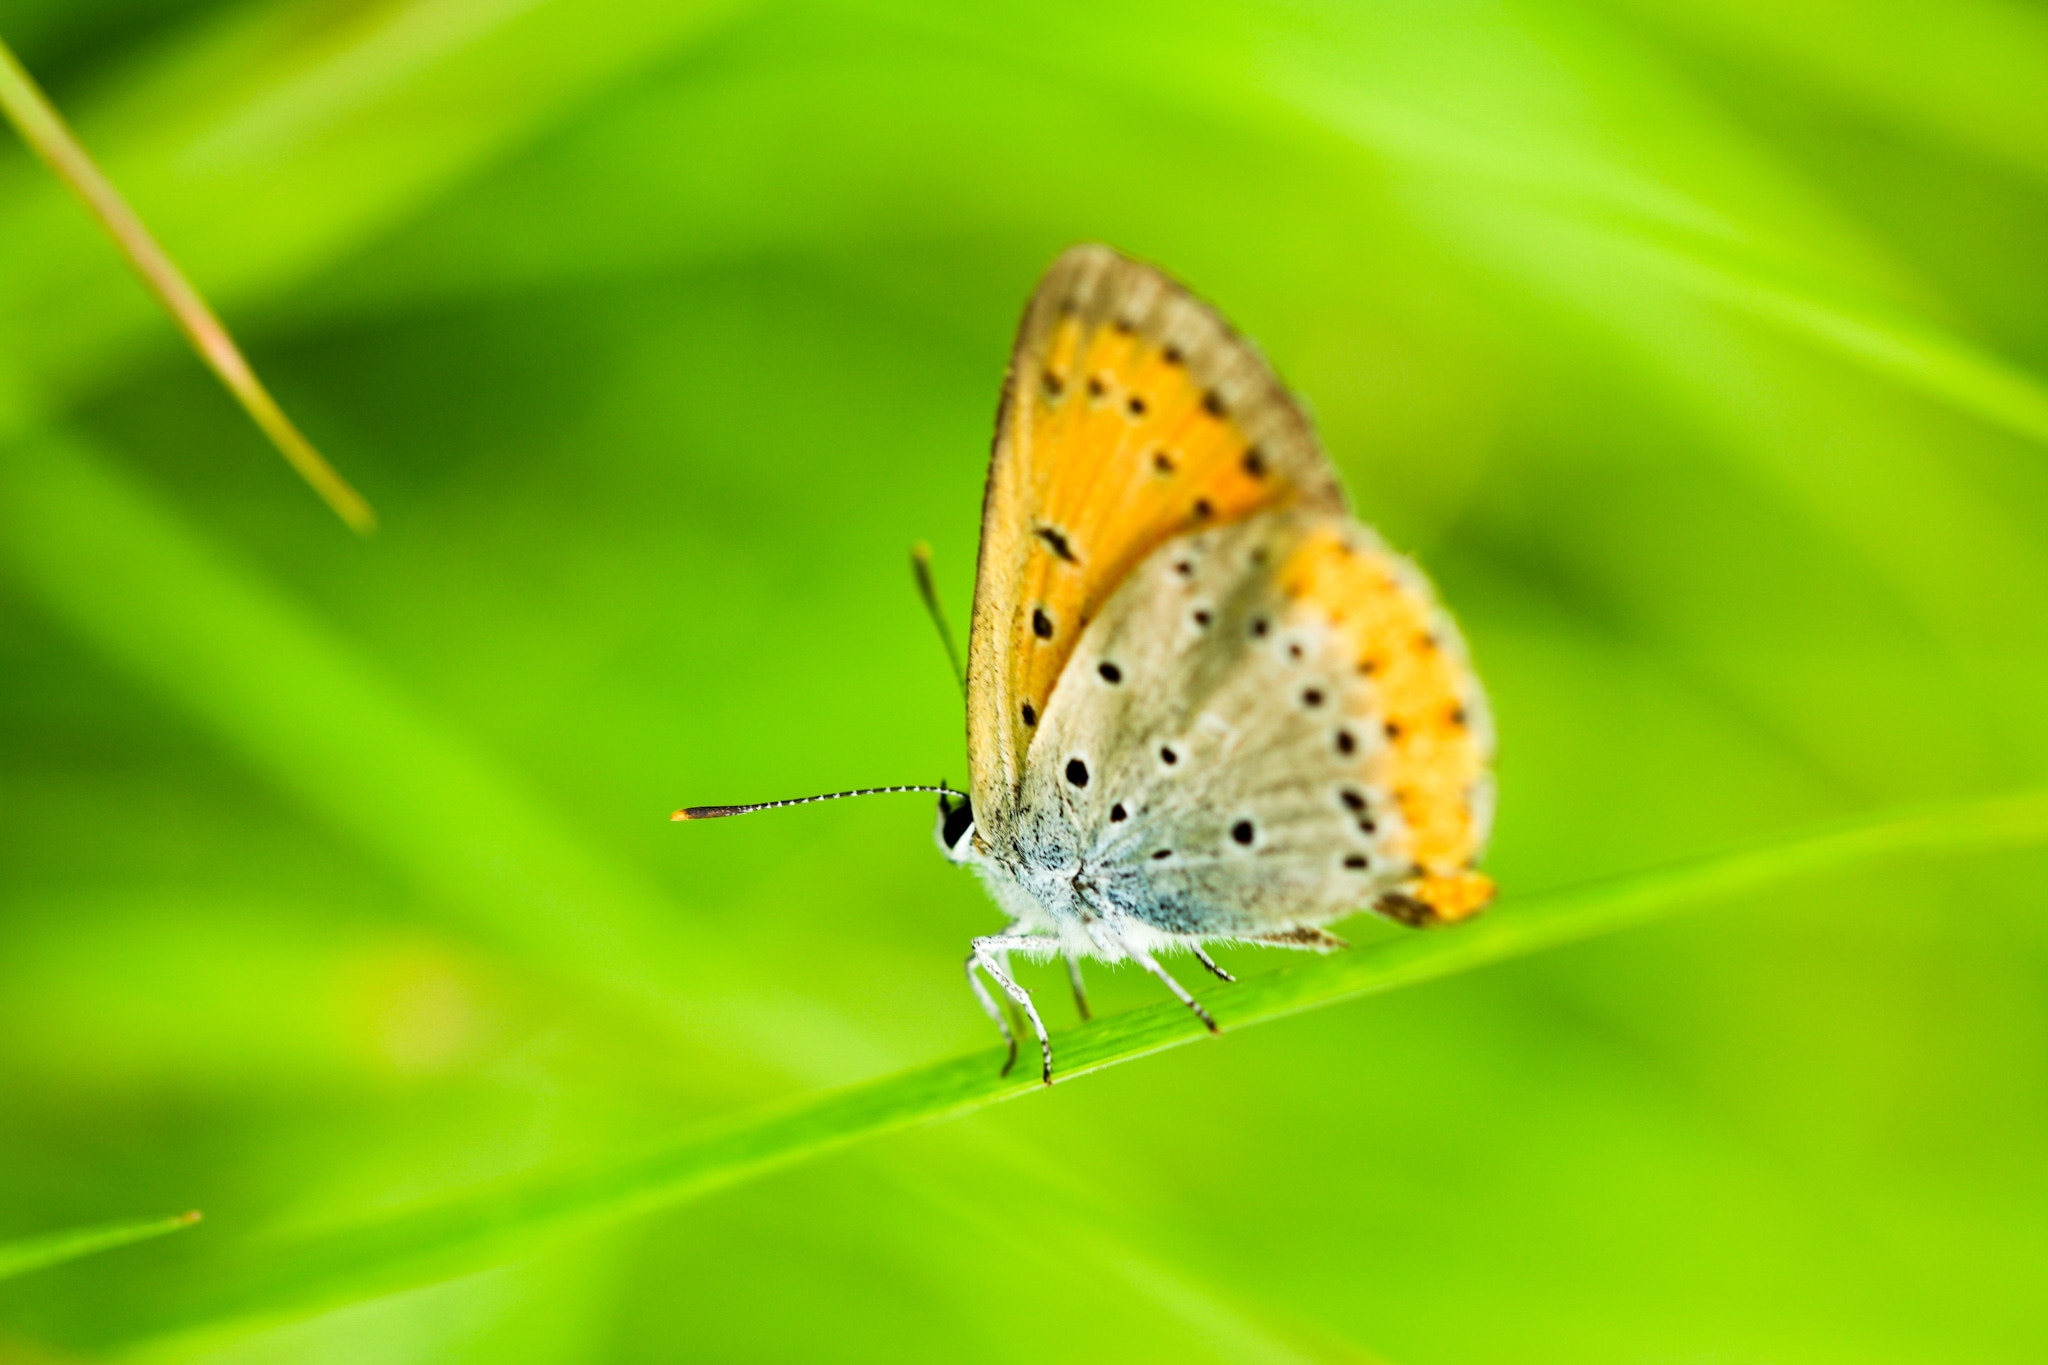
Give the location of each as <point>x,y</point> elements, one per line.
<point>1695,346</point>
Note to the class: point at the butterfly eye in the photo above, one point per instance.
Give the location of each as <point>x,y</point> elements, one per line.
<point>954,822</point>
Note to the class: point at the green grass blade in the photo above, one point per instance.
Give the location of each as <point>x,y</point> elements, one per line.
<point>54,1248</point>
<point>277,139</point>
<point>436,1242</point>
<point>43,128</point>
<point>304,704</point>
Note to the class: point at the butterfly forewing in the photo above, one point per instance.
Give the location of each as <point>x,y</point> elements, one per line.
<point>1131,414</point>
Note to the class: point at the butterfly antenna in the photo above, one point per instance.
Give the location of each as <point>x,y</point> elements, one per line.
<point>921,567</point>
<point>715,812</point>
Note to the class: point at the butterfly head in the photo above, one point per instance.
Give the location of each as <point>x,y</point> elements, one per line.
<point>954,828</point>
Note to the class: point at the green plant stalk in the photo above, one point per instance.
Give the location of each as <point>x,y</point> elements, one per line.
<point>417,1246</point>
<point>40,125</point>
<point>54,1248</point>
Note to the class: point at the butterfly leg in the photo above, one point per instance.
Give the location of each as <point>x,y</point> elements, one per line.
<point>1080,988</point>
<point>988,955</point>
<point>990,1008</point>
<point>1015,1015</point>
<point>1209,962</point>
<point>1151,964</point>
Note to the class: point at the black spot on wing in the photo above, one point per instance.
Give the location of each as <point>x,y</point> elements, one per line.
<point>1056,541</point>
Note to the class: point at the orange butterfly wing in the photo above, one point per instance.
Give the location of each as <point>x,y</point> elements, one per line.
<point>1438,754</point>
<point>1131,414</point>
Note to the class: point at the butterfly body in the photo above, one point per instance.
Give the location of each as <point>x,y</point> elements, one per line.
<point>1204,702</point>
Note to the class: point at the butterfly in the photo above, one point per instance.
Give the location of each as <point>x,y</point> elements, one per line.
<point>1204,703</point>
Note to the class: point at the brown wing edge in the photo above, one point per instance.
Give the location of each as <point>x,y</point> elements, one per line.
<point>1103,286</point>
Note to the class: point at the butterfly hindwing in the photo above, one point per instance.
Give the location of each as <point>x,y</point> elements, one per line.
<point>1131,414</point>
<point>1275,726</point>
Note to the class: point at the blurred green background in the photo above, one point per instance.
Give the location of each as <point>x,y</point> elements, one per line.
<point>1695,346</point>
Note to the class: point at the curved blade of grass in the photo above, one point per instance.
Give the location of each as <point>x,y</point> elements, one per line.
<point>43,128</point>
<point>54,1248</point>
<point>312,130</point>
<point>437,1242</point>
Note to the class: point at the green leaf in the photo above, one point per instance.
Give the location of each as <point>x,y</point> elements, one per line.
<point>24,1254</point>
<point>437,1242</point>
